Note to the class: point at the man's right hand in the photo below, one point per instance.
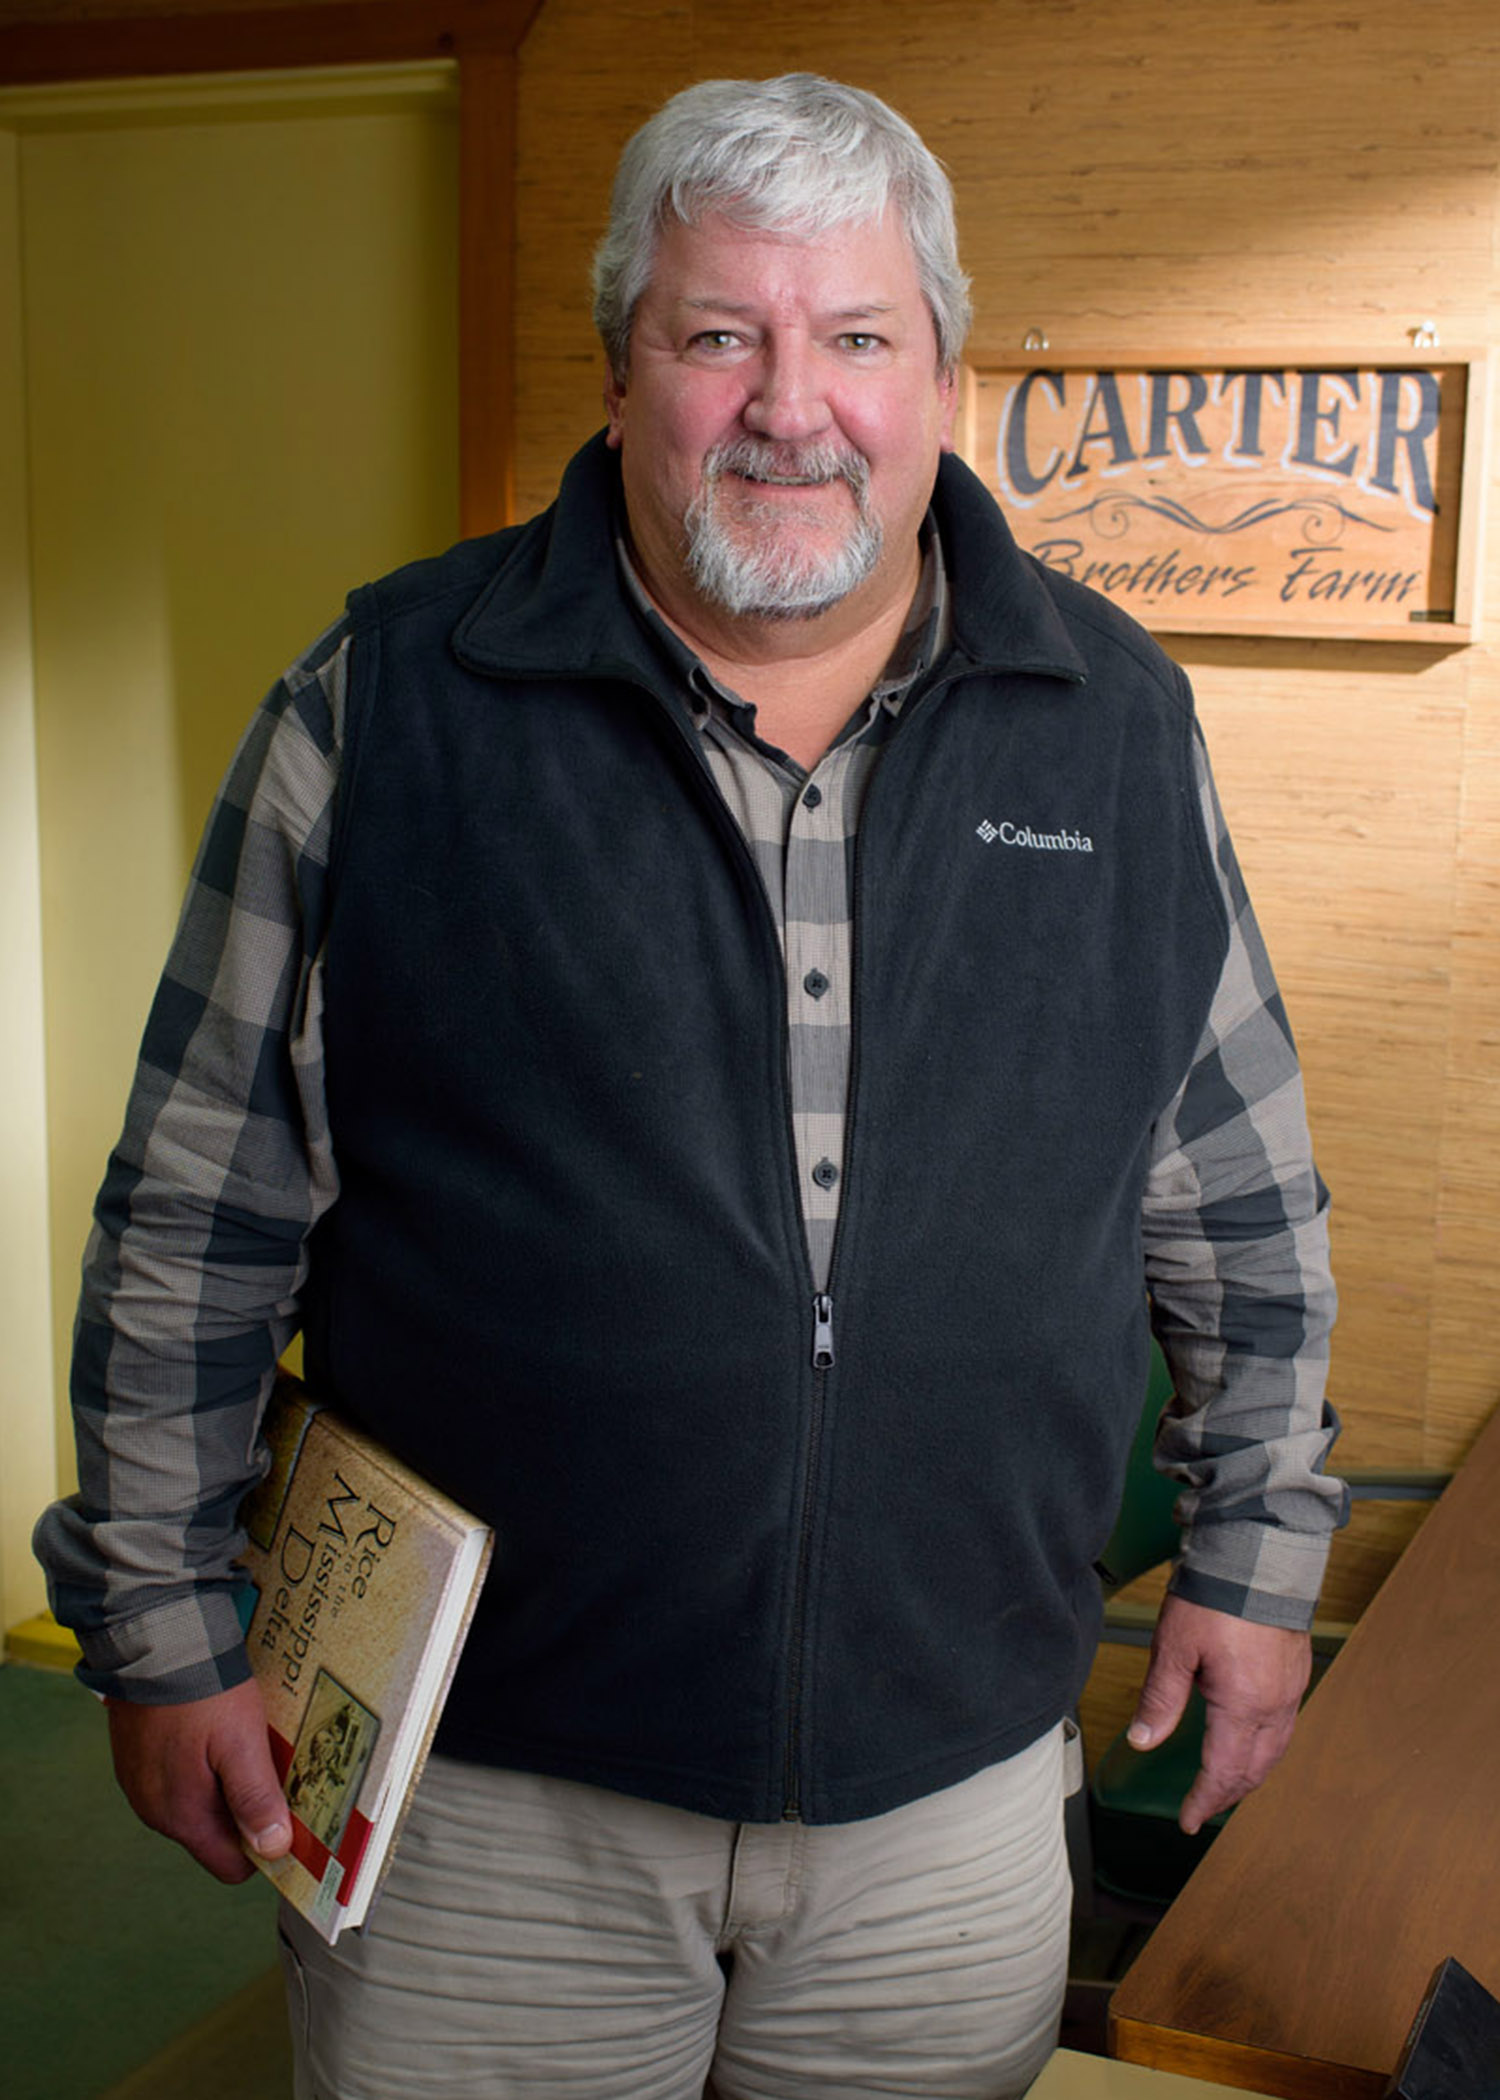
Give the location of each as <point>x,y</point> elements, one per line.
<point>201,1773</point>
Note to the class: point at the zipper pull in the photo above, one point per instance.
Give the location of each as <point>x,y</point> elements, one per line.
<point>822,1332</point>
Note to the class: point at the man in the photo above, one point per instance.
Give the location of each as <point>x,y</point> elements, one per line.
<point>611,1017</point>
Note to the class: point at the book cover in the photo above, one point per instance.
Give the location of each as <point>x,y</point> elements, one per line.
<point>1453,2049</point>
<point>361,1580</point>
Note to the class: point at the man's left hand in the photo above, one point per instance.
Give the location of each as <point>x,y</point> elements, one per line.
<point>1252,1679</point>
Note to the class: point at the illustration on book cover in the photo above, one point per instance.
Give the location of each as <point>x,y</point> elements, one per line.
<point>329,1759</point>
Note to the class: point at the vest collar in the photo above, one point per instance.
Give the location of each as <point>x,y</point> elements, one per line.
<point>1005,612</point>
<point>554,604</point>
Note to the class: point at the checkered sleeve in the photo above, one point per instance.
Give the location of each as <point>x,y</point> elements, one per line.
<point>1236,1244</point>
<point>195,1261</point>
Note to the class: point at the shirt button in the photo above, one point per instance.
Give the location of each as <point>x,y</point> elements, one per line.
<point>812,797</point>
<point>825,1173</point>
<point>815,983</point>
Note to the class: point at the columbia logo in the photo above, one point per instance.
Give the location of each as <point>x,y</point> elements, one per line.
<point>1010,834</point>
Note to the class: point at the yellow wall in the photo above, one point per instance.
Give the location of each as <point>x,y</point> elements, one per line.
<point>240,338</point>
<point>27,1456</point>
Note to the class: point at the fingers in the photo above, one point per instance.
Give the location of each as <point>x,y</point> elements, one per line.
<point>1238,1752</point>
<point>203,1826</point>
<point>201,1773</point>
<point>1252,1678</point>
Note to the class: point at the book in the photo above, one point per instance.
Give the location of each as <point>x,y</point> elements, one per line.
<point>1453,2049</point>
<point>359,1582</point>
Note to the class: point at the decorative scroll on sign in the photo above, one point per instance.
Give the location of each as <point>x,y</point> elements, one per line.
<point>1264,498</point>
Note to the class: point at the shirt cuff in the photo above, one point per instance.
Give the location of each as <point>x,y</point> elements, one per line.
<point>188,1648</point>
<point>1254,1571</point>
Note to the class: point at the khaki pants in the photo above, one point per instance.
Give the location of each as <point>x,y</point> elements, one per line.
<point>541,1938</point>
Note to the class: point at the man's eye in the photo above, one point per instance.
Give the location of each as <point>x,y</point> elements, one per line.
<point>859,339</point>
<point>714,339</point>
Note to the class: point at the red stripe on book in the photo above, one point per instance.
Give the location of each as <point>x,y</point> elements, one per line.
<point>307,1850</point>
<point>351,1851</point>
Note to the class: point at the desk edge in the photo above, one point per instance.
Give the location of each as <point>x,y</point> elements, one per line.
<point>1240,2064</point>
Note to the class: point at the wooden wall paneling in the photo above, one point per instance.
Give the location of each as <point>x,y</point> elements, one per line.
<point>1465,1328</point>
<point>1171,171</point>
<point>1466,1313</point>
<point>589,76</point>
<point>486,289</point>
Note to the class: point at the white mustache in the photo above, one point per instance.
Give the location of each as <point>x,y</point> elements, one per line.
<point>783,464</point>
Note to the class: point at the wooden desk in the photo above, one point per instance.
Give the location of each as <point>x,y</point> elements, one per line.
<point>1294,1959</point>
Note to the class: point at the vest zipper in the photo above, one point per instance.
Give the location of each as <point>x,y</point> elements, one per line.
<point>822,1357</point>
<point>822,1343</point>
<point>822,1347</point>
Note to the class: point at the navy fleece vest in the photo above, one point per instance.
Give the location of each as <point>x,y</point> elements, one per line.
<point>566,1275</point>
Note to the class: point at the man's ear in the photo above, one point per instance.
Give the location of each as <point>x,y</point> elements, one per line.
<point>949,389</point>
<point>614,408</point>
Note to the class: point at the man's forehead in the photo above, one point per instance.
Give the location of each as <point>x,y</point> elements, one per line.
<point>717,261</point>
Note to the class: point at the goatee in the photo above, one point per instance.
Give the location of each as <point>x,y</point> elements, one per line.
<point>778,575</point>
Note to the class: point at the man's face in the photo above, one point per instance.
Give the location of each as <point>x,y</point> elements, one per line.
<point>781,421</point>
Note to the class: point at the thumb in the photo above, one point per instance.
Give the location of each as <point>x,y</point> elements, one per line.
<point>252,1793</point>
<point>1163,1700</point>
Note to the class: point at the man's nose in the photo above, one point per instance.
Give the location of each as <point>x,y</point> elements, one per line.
<point>787,397</point>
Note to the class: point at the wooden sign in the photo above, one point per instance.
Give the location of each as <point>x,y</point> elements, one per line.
<point>1265,497</point>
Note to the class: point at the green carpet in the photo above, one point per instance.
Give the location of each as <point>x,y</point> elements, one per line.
<point>115,1949</point>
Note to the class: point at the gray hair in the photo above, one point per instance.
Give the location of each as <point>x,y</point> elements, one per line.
<point>797,153</point>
